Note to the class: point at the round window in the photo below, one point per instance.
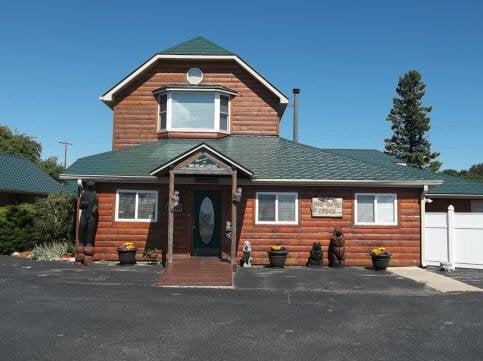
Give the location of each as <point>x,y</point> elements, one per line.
<point>194,76</point>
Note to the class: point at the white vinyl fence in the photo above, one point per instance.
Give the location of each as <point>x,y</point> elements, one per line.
<point>455,238</point>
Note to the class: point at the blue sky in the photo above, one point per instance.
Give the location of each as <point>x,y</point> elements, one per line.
<point>58,57</point>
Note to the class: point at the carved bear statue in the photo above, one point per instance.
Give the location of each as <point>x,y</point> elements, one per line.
<point>315,258</point>
<point>337,249</point>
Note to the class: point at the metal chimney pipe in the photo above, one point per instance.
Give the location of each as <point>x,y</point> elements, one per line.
<point>296,92</point>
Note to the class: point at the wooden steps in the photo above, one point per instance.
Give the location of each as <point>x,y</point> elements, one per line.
<point>197,272</point>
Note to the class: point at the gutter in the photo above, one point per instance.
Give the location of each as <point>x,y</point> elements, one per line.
<point>453,195</point>
<point>319,182</point>
<point>349,182</point>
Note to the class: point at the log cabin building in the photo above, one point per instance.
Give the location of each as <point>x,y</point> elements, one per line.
<point>193,127</point>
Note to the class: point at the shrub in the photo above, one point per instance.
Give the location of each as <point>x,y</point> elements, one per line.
<point>50,219</point>
<point>52,251</point>
<point>16,228</point>
<point>54,220</point>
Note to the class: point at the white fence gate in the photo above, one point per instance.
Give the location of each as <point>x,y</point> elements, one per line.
<point>456,238</point>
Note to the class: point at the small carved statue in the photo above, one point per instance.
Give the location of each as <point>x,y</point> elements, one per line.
<point>315,258</point>
<point>228,230</point>
<point>236,197</point>
<point>337,249</point>
<point>175,200</point>
<point>88,205</point>
<point>247,251</point>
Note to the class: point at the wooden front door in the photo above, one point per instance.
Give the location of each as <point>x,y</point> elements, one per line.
<point>206,223</point>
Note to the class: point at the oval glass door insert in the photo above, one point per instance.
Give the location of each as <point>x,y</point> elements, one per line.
<point>206,220</point>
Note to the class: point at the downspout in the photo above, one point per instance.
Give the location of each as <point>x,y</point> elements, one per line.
<point>423,225</point>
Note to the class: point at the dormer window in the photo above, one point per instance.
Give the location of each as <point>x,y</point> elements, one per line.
<point>194,108</point>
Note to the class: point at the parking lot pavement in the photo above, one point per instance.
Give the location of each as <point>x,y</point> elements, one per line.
<point>325,279</point>
<point>470,276</point>
<point>56,312</point>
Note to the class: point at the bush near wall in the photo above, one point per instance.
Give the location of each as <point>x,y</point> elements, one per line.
<point>16,228</point>
<point>50,219</point>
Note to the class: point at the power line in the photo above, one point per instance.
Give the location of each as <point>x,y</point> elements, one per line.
<point>66,144</point>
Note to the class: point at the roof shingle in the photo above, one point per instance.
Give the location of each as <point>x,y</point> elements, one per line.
<point>268,157</point>
<point>20,175</point>
<point>196,46</point>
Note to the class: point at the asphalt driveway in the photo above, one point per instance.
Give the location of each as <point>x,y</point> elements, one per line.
<point>55,312</point>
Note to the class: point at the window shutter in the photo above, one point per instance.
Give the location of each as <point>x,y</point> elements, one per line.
<point>127,205</point>
<point>385,209</point>
<point>286,208</point>
<point>146,205</point>
<point>365,209</point>
<point>266,207</point>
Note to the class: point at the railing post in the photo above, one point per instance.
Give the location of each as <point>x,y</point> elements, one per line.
<point>450,229</point>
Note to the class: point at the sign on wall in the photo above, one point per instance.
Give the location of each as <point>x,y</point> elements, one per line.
<point>203,162</point>
<point>326,207</point>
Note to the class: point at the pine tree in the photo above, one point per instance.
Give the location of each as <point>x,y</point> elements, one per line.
<point>410,124</point>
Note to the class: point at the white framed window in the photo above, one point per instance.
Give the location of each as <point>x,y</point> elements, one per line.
<point>136,205</point>
<point>276,208</point>
<point>375,209</point>
<point>196,111</point>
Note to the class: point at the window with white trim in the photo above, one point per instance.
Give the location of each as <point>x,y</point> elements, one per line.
<point>136,205</point>
<point>276,208</point>
<point>376,209</point>
<point>193,111</point>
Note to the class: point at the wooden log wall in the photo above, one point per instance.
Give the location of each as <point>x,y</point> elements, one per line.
<point>403,240</point>
<point>255,110</point>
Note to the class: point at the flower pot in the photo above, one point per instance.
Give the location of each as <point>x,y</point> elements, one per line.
<point>380,262</point>
<point>126,256</point>
<point>277,258</point>
<point>152,258</point>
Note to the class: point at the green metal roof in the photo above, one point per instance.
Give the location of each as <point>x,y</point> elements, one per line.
<point>451,185</point>
<point>20,175</point>
<point>268,157</point>
<point>196,46</point>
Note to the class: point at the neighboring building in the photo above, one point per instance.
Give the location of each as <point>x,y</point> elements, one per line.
<point>22,181</point>
<point>197,120</point>
<point>463,194</point>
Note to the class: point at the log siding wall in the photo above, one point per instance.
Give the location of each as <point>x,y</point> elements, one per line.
<point>402,240</point>
<point>255,110</point>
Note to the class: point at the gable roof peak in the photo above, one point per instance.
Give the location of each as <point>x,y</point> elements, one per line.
<point>196,46</point>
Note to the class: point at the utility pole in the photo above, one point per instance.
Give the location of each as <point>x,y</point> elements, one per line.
<point>66,144</point>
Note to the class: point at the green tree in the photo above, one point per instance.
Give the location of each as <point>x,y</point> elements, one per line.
<point>410,124</point>
<point>52,166</point>
<point>475,172</point>
<point>19,144</point>
<point>26,146</point>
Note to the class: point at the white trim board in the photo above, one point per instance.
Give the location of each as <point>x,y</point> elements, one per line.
<point>108,96</point>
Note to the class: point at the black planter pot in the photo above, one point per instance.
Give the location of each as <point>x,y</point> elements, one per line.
<point>277,258</point>
<point>127,256</point>
<point>380,262</point>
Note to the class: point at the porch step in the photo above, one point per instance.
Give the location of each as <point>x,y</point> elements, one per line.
<point>197,272</point>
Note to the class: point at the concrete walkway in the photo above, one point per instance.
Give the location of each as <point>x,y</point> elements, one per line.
<point>435,281</point>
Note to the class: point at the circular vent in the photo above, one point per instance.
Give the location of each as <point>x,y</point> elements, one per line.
<point>194,76</point>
